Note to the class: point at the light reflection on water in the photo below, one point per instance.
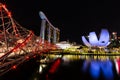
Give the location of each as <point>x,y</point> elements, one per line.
<point>96,68</point>
<point>106,68</point>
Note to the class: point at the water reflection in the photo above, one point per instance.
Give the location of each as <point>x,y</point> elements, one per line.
<point>41,68</point>
<point>66,67</point>
<point>107,69</point>
<point>96,69</point>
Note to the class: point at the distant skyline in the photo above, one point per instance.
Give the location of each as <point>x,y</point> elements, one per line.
<point>73,18</point>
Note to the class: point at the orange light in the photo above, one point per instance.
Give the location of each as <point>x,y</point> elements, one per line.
<point>14,67</point>
<point>14,50</point>
<point>9,14</point>
<point>27,57</point>
<point>34,56</point>
<point>16,35</point>
<point>4,6</point>
<point>23,44</point>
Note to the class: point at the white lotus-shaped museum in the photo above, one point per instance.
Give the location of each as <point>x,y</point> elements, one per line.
<point>93,40</point>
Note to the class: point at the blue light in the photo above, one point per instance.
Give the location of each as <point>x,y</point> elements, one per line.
<point>85,41</point>
<point>85,66</point>
<point>104,37</point>
<point>107,69</point>
<point>93,39</point>
<point>95,69</point>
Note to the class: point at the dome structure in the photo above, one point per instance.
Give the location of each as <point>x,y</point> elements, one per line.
<point>94,41</point>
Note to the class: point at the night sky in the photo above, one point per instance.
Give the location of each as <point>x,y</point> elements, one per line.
<point>74,18</point>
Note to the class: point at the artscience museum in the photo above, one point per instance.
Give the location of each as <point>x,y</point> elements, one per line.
<point>93,41</point>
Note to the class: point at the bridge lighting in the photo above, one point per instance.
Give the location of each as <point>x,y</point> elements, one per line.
<point>3,5</point>
<point>20,41</point>
<point>9,14</point>
<point>22,44</point>
<point>16,35</point>
<point>27,57</point>
<point>14,50</point>
<point>34,56</point>
<point>14,67</point>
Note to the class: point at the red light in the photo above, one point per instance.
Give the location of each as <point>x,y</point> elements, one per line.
<point>27,57</point>
<point>14,67</point>
<point>34,56</point>
<point>117,64</point>
<point>47,78</point>
<point>14,50</point>
<point>16,35</point>
<point>9,14</point>
<point>23,44</point>
<point>4,6</point>
<point>55,66</point>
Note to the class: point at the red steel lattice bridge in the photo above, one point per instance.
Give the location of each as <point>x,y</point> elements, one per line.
<point>18,44</point>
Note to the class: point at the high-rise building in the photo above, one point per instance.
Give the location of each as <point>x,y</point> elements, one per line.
<point>114,35</point>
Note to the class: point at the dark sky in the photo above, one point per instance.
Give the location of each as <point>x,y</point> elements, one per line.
<point>74,18</point>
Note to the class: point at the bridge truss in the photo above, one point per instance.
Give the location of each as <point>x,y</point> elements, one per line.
<point>18,44</point>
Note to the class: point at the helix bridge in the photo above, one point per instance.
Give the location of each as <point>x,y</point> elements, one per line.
<point>18,44</point>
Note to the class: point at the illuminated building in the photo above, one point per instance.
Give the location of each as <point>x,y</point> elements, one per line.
<point>94,41</point>
<point>114,35</point>
<point>63,45</point>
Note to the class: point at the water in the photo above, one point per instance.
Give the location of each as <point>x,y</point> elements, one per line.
<point>64,69</point>
<point>22,72</point>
